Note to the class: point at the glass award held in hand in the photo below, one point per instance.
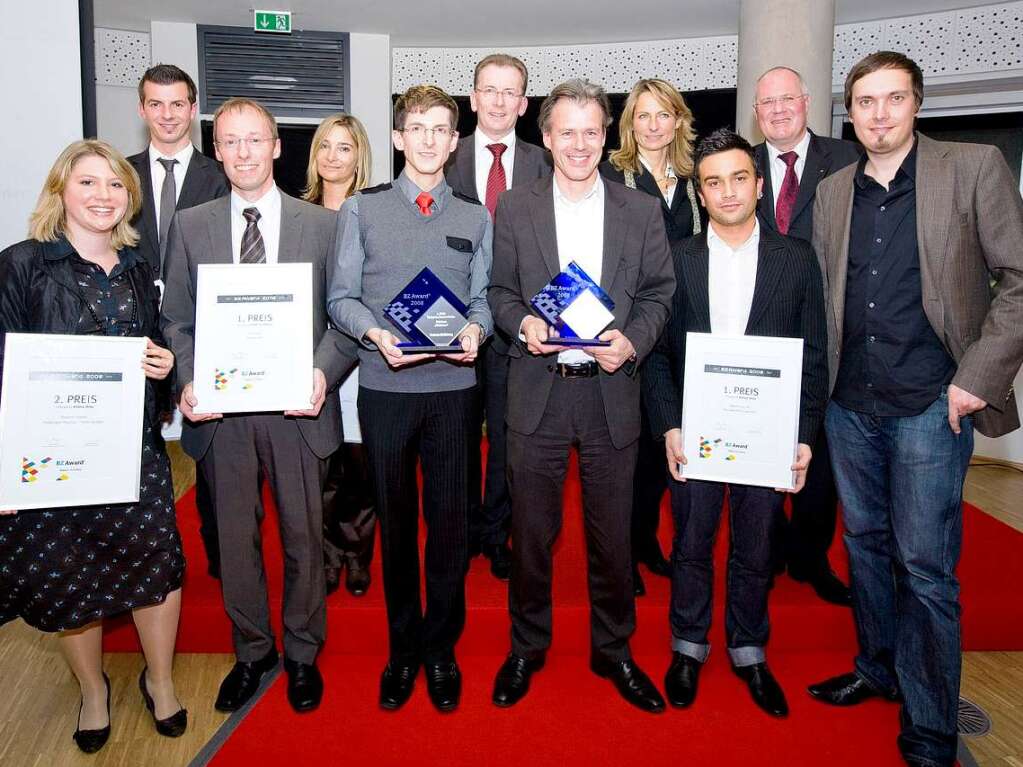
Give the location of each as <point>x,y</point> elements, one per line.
<point>429,315</point>
<point>575,308</point>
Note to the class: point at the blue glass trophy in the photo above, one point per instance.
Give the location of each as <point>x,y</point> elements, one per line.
<point>429,315</point>
<point>575,308</point>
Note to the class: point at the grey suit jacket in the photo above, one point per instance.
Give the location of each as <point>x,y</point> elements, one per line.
<point>204,181</point>
<point>823,157</point>
<point>202,235</point>
<point>970,232</point>
<point>636,271</point>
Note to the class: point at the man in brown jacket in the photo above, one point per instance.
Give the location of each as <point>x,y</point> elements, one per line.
<point>919,245</point>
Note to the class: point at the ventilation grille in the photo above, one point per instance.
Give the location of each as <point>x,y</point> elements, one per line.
<point>304,74</point>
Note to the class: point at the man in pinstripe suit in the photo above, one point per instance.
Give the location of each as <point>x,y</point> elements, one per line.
<point>738,279</point>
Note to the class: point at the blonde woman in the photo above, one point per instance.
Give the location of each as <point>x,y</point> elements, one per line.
<point>656,154</point>
<point>339,166</point>
<point>65,570</point>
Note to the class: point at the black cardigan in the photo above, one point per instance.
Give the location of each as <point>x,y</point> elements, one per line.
<point>678,219</point>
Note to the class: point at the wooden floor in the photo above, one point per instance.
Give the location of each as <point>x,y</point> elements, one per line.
<point>39,700</point>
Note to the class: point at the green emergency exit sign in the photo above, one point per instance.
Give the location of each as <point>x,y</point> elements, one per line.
<point>273,21</point>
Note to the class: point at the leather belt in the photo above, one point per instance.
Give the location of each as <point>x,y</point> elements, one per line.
<point>577,370</point>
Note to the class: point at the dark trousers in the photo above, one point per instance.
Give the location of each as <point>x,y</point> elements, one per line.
<point>489,521</point>
<point>804,539</point>
<point>400,430</point>
<point>207,522</point>
<point>651,480</point>
<point>349,516</point>
<point>244,450</point>
<point>696,506</point>
<point>901,484</point>
<point>537,464</point>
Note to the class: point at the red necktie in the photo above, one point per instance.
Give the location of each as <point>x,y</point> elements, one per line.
<point>496,181</point>
<point>787,195</point>
<point>424,201</point>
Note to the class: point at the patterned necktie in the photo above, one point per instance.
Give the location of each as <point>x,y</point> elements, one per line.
<point>496,180</point>
<point>253,251</point>
<point>168,201</point>
<point>424,201</point>
<point>789,190</point>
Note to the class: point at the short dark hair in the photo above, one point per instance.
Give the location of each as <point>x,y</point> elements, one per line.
<point>722,140</point>
<point>885,60</point>
<point>167,74</point>
<point>422,98</point>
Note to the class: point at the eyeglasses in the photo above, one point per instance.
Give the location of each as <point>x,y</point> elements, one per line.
<point>785,102</point>
<point>491,93</point>
<point>418,131</point>
<point>252,142</point>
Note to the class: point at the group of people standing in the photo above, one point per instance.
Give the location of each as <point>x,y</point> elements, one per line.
<point>888,261</point>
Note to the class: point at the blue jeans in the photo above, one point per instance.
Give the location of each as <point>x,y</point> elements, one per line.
<point>900,480</point>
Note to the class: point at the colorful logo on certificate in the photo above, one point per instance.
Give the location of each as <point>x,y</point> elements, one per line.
<point>30,469</point>
<point>221,378</point>
<point>707,448</point>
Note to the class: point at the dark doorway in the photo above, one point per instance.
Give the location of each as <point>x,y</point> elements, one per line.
<point>290,167</point>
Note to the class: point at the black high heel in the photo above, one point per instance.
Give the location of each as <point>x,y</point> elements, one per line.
<point>174,725</point>
<point>91,741</point>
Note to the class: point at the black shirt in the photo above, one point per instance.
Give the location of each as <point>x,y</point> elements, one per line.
<point>892,364</point>
<point>110,307</point>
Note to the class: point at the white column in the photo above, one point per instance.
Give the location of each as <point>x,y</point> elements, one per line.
<point>370,98</point>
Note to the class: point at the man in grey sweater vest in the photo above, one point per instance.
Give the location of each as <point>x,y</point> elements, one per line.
<point>417,406</point>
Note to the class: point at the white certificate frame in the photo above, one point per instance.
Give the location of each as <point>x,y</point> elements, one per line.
<point>253,338</point>
<point>740,408</point>
<point>71,420</point>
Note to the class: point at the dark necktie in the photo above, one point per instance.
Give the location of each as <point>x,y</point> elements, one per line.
<point>787,195</point>
<point>168,201</point>
<point>496,180</point>
<point>253,251</point>
<point>424,201</point>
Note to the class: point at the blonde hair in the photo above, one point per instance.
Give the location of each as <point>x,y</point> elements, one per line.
<point>680,151</point>
<point>49,219</point>
<point>237,105</point>
<point>314,184</point>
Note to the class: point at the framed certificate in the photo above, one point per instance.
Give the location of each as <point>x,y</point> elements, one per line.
<point>740,408</point>
<point>253,338</point>
<point>71,420</point>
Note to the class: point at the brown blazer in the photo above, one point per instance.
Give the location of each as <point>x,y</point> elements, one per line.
<point>636,272</point>
<point>970,233</point>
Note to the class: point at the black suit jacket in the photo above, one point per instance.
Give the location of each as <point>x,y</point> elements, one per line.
<point>824,157</point>
<point>678,218</point>
<point>204,181</point>
<point>635,272</point>
<point>788,302</point>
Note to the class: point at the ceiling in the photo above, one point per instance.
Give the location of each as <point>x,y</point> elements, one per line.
<point>519,22</point>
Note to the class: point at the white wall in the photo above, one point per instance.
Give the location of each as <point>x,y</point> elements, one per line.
<point>39,52</point>
<point>117,120</point>
<point>176,43</point>
<point>371,96</point>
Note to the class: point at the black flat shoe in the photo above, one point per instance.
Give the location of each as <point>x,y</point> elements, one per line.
<point>500,560</point>
<point>512,681</point>
<point>764,688</point>
<point>444,685</point>
<point>396,684</point>
<point>174,725</point>
<point>631,682</point>
<point>91,741</point>
<point>658,565</point>
<point>848,690</point>
<point>305,685</point>
<point>826,585</point>
<point>357,580</point>
<point>681,679</point>
<point>332,579</point>
<point>242,682</point>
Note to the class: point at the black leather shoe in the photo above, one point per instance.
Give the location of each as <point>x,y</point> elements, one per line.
<point>396,684</point>
<point>444,684</point>
<point>632,683</point>
<point>638,587</point>
<point>657,564</point>
<point>91,741</point>
<point>357,580</point>
<point>512,681</point>
<point>174,725</point>
<point>848,690</point>
<point>305,685</point>
<point>243,680</point>
<point>826,584</point>
<point>681,679</point>
<point>332,579</point>
<point>764,688</point>
<point>500,560</point>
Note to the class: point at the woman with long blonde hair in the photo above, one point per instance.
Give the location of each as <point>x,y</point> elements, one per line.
<point>339,161</point>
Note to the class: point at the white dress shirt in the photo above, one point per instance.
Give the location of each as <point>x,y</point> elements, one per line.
<point>157,174</point>
<point>269,223</point>
<point>731,278</point>
<point>778,166</point>
<point>484,160</point>
<point>669,172</point>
